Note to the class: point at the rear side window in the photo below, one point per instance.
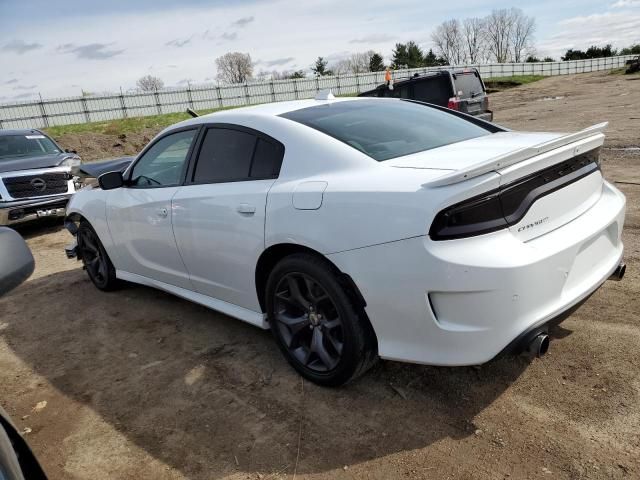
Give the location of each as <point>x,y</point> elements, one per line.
<point>437,90</point>
<point>228,155</point>
<point>386,128</point>
<point>467,83</point>
<point>266,159</point>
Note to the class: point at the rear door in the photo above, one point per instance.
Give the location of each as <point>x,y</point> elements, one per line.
<point>470,90</point>
<point>219,215</point>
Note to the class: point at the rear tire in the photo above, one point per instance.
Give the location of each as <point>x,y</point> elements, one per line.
<point>95,259</point>
<point>323,334</point>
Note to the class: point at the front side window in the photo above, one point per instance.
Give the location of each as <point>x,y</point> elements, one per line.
<point>28,145</point>
<point>162,165</point>
<point>385,129</point>
<point>229,155</point>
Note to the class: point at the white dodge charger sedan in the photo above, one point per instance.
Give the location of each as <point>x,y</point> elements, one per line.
<point>362,228</point>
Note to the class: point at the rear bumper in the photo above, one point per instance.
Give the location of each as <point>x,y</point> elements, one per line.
<point>462,302</point>
<point>26,210</point>
<point>487,116</point>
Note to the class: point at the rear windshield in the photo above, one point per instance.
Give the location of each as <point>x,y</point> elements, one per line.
<point>468,84</point>
<point>32,144</point>
<point>384,128</point>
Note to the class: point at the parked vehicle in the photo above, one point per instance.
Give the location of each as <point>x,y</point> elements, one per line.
<point>458,89</point>
<point>35,176</point>
<point>357,228</point>
<point>17,462</point>
<point>633,65</point>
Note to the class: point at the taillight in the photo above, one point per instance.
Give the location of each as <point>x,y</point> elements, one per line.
<point>478,215</point>
<point>507,205</point>
<point>454,103</point>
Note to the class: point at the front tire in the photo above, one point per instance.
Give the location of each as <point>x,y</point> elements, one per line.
<point>95,259</point>
<point>317,326</point>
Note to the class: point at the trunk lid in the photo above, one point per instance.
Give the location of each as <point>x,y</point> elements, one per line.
<point>545,179</point>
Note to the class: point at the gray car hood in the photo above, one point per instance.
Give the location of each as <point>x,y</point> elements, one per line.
<point>95,169</point>
<point>29,163</point>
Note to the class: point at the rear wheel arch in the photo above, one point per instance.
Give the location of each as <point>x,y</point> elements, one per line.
<point>272,255</point>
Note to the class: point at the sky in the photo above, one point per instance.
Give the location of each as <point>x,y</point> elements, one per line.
<point>58,48</point>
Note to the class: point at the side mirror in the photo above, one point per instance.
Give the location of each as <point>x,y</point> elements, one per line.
<point>16,260</point>
<point>70,151</point>
<point>110,180</point>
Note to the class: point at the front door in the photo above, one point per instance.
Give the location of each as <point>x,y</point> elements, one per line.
<point>139,214</point>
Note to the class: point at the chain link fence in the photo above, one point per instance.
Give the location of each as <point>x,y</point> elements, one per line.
<point>73,110</point>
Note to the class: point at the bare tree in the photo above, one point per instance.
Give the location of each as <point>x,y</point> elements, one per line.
<point>234,67</point>
<point>355,63</point>
<point>521,35</point>
<point>499,28</point>
<point>149,83</point>
<point>473,36</point>
<point>448,41</point>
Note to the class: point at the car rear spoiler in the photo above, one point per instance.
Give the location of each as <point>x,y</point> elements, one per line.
<point>516,156</point>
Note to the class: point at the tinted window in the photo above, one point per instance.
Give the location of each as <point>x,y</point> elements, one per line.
<point>32,144</point>
<point>385,129</point>
<point>229,155</point>
<point>436,90</point>
<point>225,155</point>
<point>163,163</point>
<point>267,159</point>
<point>467,83</point>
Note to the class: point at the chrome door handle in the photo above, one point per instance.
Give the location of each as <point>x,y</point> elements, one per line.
<point>246,208</point>
<point>163,212</point>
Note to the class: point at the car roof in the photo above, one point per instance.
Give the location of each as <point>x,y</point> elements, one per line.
<point>20,131</point>
<point>266,110</point>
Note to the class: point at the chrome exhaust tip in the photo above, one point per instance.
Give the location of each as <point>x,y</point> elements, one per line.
<point>539,345</point>
<point>619,272</point>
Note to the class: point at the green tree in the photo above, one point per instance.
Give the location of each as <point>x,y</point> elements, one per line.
<point>408,54</point>
<point>319,68</point>
<point>432,60</point>
<point>549,59</point>
<point>376,63</point>
<point>632,50</point>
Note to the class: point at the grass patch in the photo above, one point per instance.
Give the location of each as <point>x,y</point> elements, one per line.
<point>126,125</point>
<point>496,84</point>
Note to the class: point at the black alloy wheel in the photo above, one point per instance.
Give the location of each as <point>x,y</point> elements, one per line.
<point>309,322</point>
<point>95,259</point>
<point>319,328</point>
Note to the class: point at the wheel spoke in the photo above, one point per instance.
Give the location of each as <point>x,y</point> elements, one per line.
<point>335,343</point>
<point>317,347</point>
<point>89,244</point>
<point>331,324</point>
<point>294,325</point>
<point>312,287</point>
<point>296,294</point>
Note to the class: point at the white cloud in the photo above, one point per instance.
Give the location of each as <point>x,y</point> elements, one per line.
<point>626,3</point>
<point>618,29</point>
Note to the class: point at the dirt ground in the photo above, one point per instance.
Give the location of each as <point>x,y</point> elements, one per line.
<point>143,385</point>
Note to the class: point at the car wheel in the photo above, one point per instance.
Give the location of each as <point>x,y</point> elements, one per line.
<point>95,259</point>
<point>320,330</point>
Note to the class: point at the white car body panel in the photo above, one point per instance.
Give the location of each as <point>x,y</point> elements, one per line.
<point>220,230</point>
<point>143,240</point>
<point>451,302</point>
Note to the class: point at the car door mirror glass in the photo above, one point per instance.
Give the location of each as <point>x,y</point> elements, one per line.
<point>16,260</point>
<point>110,180</point>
